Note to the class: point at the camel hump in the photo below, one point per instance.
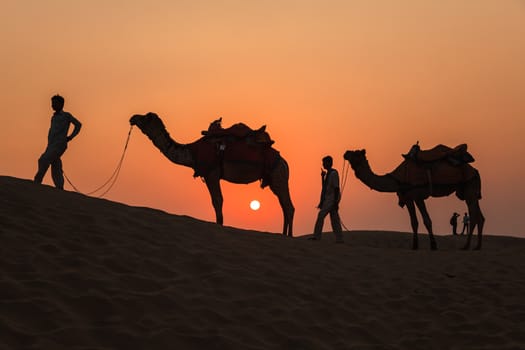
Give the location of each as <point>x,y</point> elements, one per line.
<point>456,156</point>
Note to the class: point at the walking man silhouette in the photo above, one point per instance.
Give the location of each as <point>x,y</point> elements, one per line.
<point>329,203</point>
<point>57,140</point>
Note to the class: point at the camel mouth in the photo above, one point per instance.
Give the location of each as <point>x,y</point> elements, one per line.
<point>139,119</point>
<point>350,154</point>
<point>134,119</point>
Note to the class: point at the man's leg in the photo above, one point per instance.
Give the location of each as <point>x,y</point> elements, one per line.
<point>57,174</point>
<point>318,229</point>
<point>43,164</point>
<point>336,225</point>
<point>51,156</point>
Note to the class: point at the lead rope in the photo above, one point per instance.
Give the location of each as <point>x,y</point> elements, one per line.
<point>344,177</point>
<point>112,179</point>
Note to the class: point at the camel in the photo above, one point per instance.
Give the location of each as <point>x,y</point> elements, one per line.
<point>414,181</point>
<point>240,161</point>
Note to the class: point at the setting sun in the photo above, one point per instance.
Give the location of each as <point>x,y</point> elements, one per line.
<point>255,204</point>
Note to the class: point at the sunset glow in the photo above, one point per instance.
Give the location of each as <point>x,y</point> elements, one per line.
<point>323,76</point>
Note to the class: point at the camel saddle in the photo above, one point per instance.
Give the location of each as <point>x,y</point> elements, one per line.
<point>238,131</point>
<point>441,172</point>
<point>440,165</point>
<point>212,151</point>
<point>455,156</point>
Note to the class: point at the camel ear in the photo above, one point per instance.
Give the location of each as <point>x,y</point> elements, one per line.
<point>363,151</point>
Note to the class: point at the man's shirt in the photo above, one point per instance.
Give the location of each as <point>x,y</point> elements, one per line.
<point>59,128</point>
<point>331,183</point>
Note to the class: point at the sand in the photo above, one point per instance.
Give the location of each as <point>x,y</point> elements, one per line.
<point>84,273</point>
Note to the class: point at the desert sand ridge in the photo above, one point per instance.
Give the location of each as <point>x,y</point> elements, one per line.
<point>83,273</point>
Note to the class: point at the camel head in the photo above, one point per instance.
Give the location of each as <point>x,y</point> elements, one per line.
<point>355,158</point>
<point>149,123</point>
<point>140,120</point>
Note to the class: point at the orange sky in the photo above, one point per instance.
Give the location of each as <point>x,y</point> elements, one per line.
<point>323,75</point>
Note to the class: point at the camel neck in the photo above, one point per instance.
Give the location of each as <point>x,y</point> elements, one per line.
<point>381,183</point>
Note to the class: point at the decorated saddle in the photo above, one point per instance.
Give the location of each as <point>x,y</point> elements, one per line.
<point>440,165</point>
<point>238,131</point>
<point>456,156</point>
<point>237,144</point>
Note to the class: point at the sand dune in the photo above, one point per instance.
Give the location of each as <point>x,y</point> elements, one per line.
<point>85,273</point>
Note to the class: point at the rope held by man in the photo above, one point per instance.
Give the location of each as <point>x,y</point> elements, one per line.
<point>112,179</point>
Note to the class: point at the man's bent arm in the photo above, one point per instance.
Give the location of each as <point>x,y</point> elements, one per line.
<point>77,126</point>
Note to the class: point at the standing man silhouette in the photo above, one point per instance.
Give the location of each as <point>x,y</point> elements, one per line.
<point>454,223</point>
<point>329,203</point>
<point>57,140</point>
<point>466,221</point>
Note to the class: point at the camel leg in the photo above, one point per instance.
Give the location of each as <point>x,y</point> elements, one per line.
<point>469,236</point>
<point>413,221</point>
<point>283,194</point>
<point>480,222</point>
<point>470,227</point>
<point>214,187</point>
<point>476,219</point>
<point>279,186</point>
<point>427,222</point>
